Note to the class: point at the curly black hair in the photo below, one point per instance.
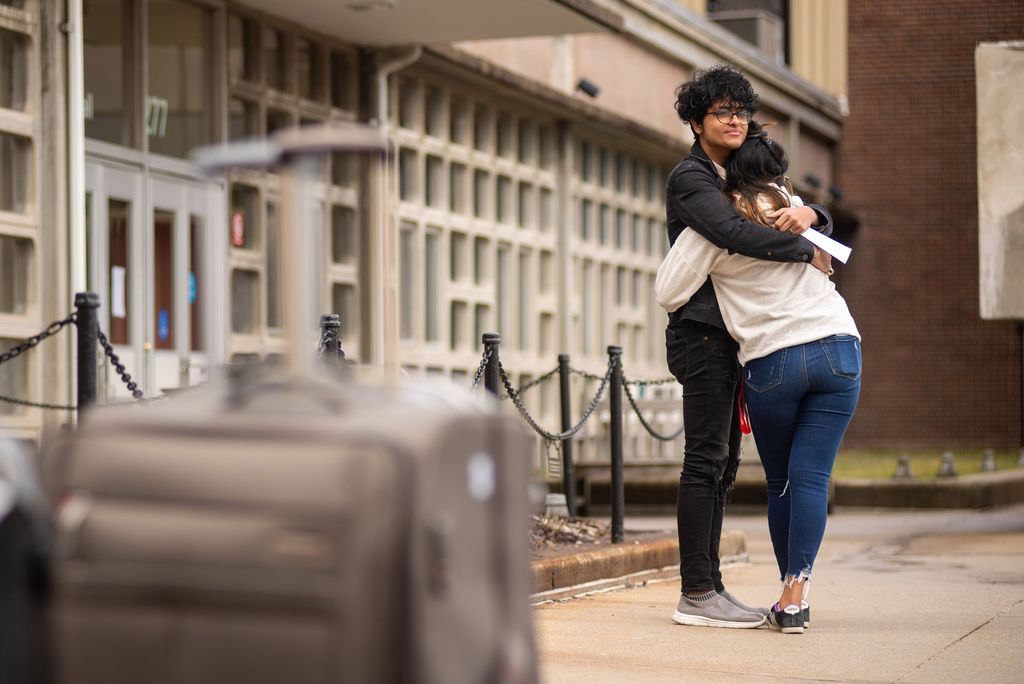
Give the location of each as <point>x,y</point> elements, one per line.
<point>695,97</point>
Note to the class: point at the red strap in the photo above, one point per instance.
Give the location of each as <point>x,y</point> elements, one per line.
<point>741,406</point>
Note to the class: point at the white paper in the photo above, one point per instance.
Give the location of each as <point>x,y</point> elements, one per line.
<point>837,249</point>
<point>117,298</point>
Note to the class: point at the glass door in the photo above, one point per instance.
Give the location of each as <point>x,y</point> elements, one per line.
<point>115,245</point>
<point>178,289</point>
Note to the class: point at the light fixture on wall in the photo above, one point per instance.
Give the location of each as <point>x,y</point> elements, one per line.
<point>588,87</point>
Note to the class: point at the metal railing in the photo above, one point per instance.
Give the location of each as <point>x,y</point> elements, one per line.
<point>614,384</point>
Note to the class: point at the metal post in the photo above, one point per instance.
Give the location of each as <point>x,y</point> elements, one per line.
<point>87,306</point>
<point>492,379</point>
<point>568,476</point>
<point>615,418</point>
<point>330,339</point>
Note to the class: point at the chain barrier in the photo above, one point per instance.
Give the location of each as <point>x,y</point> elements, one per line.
<point>30,342</point>
<point>535,381</point>
<point>119,367</point>
<point>483,366</point>
<point>637,383</point>
<point>554,436</point>
<point>643,421</point>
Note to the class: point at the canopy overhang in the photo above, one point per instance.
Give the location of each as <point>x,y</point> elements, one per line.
<point>381,23</point>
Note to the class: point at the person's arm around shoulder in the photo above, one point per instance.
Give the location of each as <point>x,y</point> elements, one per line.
<point>695,196</point>
<point>684,269</point>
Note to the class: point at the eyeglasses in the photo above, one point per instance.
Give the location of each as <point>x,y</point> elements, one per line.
<point>725,115</point>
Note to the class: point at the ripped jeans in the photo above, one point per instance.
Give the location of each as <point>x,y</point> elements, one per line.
<point>801,400</point>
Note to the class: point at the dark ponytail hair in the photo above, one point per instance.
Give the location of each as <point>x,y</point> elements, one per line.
<point>754,170</point>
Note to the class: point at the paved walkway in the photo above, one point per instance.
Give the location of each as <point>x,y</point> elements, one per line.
<point>883,610</point>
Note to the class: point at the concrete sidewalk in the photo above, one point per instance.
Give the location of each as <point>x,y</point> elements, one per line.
<point>897,597</point>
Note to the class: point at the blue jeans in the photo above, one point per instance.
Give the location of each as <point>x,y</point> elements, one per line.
<point>801,400</point>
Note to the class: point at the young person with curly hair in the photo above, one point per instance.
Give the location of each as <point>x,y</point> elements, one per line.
<point>800,351</point>
<point>718,105</point>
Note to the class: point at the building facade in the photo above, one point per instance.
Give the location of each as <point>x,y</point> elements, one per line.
<point>518,203</point>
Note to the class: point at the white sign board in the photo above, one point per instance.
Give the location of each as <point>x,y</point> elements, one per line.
<point>1000,80</point>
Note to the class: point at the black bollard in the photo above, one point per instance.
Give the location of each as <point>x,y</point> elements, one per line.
<point>87,306</point>
<point>492,378</point>
<point>568,476</point>
<point>615,417</point>
<point>330,339</point>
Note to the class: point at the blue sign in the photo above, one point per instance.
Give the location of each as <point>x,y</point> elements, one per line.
<point>191,288</point>
<point>163,325</point>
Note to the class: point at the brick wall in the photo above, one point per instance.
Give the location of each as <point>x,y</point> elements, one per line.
<point>935,374</point>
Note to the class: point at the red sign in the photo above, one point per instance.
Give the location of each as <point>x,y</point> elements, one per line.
<point>238,229</point>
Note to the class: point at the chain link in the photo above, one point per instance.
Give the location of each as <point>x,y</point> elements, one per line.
<point>649,383</point>
<point>38,404</point>
<point>483,366</point>
<point>555,436</point>
<point>538,381</point>
<point>30,342</point>
<point>15,352</point>
<point>119,367</point>
<point>643,421</point>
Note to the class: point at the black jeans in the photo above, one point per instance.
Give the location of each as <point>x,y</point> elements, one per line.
<point>702,357</point>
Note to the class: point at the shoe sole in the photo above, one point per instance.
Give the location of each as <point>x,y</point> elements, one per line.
<point>698,621</point>
<point>786,630</point>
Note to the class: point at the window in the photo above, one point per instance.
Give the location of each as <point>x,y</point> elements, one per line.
<point>481,190</point>
<point>243,119</point>
<point>459,325</point>
<point>15,274</point>
<point>344,303</point>
<point>481,128</point>
<point>481,260</point>
<point>163,279</point>
<point>119,294</point>
<point>13,378</point>
<point>432,285</point>
<point>506,133</point>
<point>343,235</point>
<point>457,188</point>
<point>503,295</point>
<point>407,173</point>
<point>243,227</point>
<point>524,299</point>
<point>459,258</point>
<point>525,205</point>
<point>244,301</point>
<point>408,104</point>
<point>275,59</point>
<point>242,50</point>
<point>435,181</point>
<point>273,268</point>
<point>435,112</point>
<point>341,80</point>
<point>310,70</point>
<point>458,125</point>
<point>179,105</point>
<point>196,286</point>
<point>13,69</point>
<point>506,205</point>
<point>107,49</point>
<point>406,265</point>
<point>14,173</point>
<point>278,119</point>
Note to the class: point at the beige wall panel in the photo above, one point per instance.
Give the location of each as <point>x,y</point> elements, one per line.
<point>535,58</point>
<point>634,83</point>
<point>818,43</point>
<point>814,156</point>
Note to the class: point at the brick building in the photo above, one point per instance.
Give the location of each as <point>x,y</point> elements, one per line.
<point>935,373</point>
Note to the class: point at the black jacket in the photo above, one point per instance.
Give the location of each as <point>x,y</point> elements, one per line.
<point>694,199</point>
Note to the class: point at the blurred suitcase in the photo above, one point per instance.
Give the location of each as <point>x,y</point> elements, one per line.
<point>283,533</point>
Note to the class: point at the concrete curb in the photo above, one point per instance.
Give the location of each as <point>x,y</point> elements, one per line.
<point>594,567</point>
<point>979,490</point>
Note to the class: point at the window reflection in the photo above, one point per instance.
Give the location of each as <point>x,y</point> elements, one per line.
<point>107,48</point>
<point>179,104</point>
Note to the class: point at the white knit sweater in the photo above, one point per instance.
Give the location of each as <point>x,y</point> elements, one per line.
<point>766,305</point>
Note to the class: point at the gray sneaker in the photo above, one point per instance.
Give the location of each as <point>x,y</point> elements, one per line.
<point>739,604</point>
<point>713,610</point>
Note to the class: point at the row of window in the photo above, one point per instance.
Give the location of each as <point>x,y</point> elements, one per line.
<point>18,227</point>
